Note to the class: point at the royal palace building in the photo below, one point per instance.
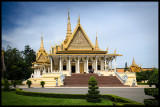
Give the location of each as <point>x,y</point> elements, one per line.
<point>75,55</point>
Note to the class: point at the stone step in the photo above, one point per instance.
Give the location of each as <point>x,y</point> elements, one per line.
<point>82,80</point>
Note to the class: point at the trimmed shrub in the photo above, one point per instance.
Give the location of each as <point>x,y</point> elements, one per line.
<point>151,102</point>
<point>152,91</point>
<point>14,82</point>
<point>52,95</point>
<point>93,94</point>
<point>29,83</point>
<point>6,85</point>
<point>42,84</point>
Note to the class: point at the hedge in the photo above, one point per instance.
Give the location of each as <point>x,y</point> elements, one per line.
<point>151,102</point>
<point>116,99</point>
<point>53,95</point>
<point>152,91</point>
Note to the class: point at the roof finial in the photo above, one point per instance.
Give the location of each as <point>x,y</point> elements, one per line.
<point>79,19</point>
<point>133,62</point>
<point>96,45</point>
<point>107,49</point>
<point>41,47</point>
<point>115,51</point>
<point>69,32</point>
<point>68,15</point>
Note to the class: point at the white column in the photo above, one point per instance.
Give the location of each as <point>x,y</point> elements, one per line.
<point>78,65</point>
<point>87,64</point>
<point>51,63</point>
<point>48,69</point>
<point>60,64</point>
<point>96,64</point>
<point>44,71</point>
<point>35,73</point>
<point>105,63</point>
<point>115,64</point>
<point>39,73</point>
<point>69,64</point>
<point>111,64</point>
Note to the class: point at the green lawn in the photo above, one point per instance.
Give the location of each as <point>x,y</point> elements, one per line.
<point>141,83</point>
<point>11,98</point>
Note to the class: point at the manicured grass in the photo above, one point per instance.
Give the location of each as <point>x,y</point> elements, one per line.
<point>11,98</point>
<point>141,83</point>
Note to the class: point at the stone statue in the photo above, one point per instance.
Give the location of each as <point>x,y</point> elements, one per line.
<point>62,77</point>
<point>56,82</point>
<point>133,84</point>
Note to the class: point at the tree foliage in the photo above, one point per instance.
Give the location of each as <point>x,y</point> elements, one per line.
<point>18,63</point>
<point>153,80</point>
<point>144,75</point>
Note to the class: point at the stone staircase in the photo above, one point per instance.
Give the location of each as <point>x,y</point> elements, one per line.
<point>81,80</point>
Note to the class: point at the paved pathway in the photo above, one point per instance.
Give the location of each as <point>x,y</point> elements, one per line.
<point>135,94</point>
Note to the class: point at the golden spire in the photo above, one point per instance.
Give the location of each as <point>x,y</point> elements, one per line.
<point>69,32</point>
<point>115,51</point>
<point>78,22</point>
<point>41,47</point>
<point>96,45</point>
<point>133,62</point>
<point>107,49</point>
<point>68,15</point>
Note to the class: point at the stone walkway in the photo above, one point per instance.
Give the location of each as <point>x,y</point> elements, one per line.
<point>135,94</point>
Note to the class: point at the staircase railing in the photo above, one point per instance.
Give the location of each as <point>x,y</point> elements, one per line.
<point>117,74</point>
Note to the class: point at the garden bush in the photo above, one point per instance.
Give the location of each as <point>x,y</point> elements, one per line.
<point>152,91</point>
<point>29,83</point>
<point>6,85</point>
<point>93,94</point>
<point>153,80</point>
<point>14,82</point>
<point>151,102</point>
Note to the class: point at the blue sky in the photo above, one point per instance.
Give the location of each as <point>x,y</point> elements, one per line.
<point>129,27</point>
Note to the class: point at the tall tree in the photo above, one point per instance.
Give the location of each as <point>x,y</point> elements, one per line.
<point>29,55</point>
<point>18,63</point>
<point>125,69</point>
<point>11,57</point>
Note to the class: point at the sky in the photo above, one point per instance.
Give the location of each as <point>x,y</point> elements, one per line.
<point>129,27</point>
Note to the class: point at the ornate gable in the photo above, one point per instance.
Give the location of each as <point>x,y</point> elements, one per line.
<point>79,40</point>
<point>41,57</point>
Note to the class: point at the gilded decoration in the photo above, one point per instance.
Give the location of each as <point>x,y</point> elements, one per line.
<point>79,41</point>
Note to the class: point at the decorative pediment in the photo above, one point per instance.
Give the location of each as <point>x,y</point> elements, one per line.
<point>79,40</point>
<point>41,57</point>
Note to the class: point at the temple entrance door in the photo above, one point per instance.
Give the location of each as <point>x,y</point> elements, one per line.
<point>89,65</point>
<point>81,68</point>
<point>73,69</point>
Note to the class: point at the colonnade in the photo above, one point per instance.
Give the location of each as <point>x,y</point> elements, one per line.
<point>78,70</point>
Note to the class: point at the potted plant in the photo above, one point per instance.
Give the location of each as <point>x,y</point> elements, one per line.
<point>29,83</point>
<point>14,82</point>
<point>42,84</point>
